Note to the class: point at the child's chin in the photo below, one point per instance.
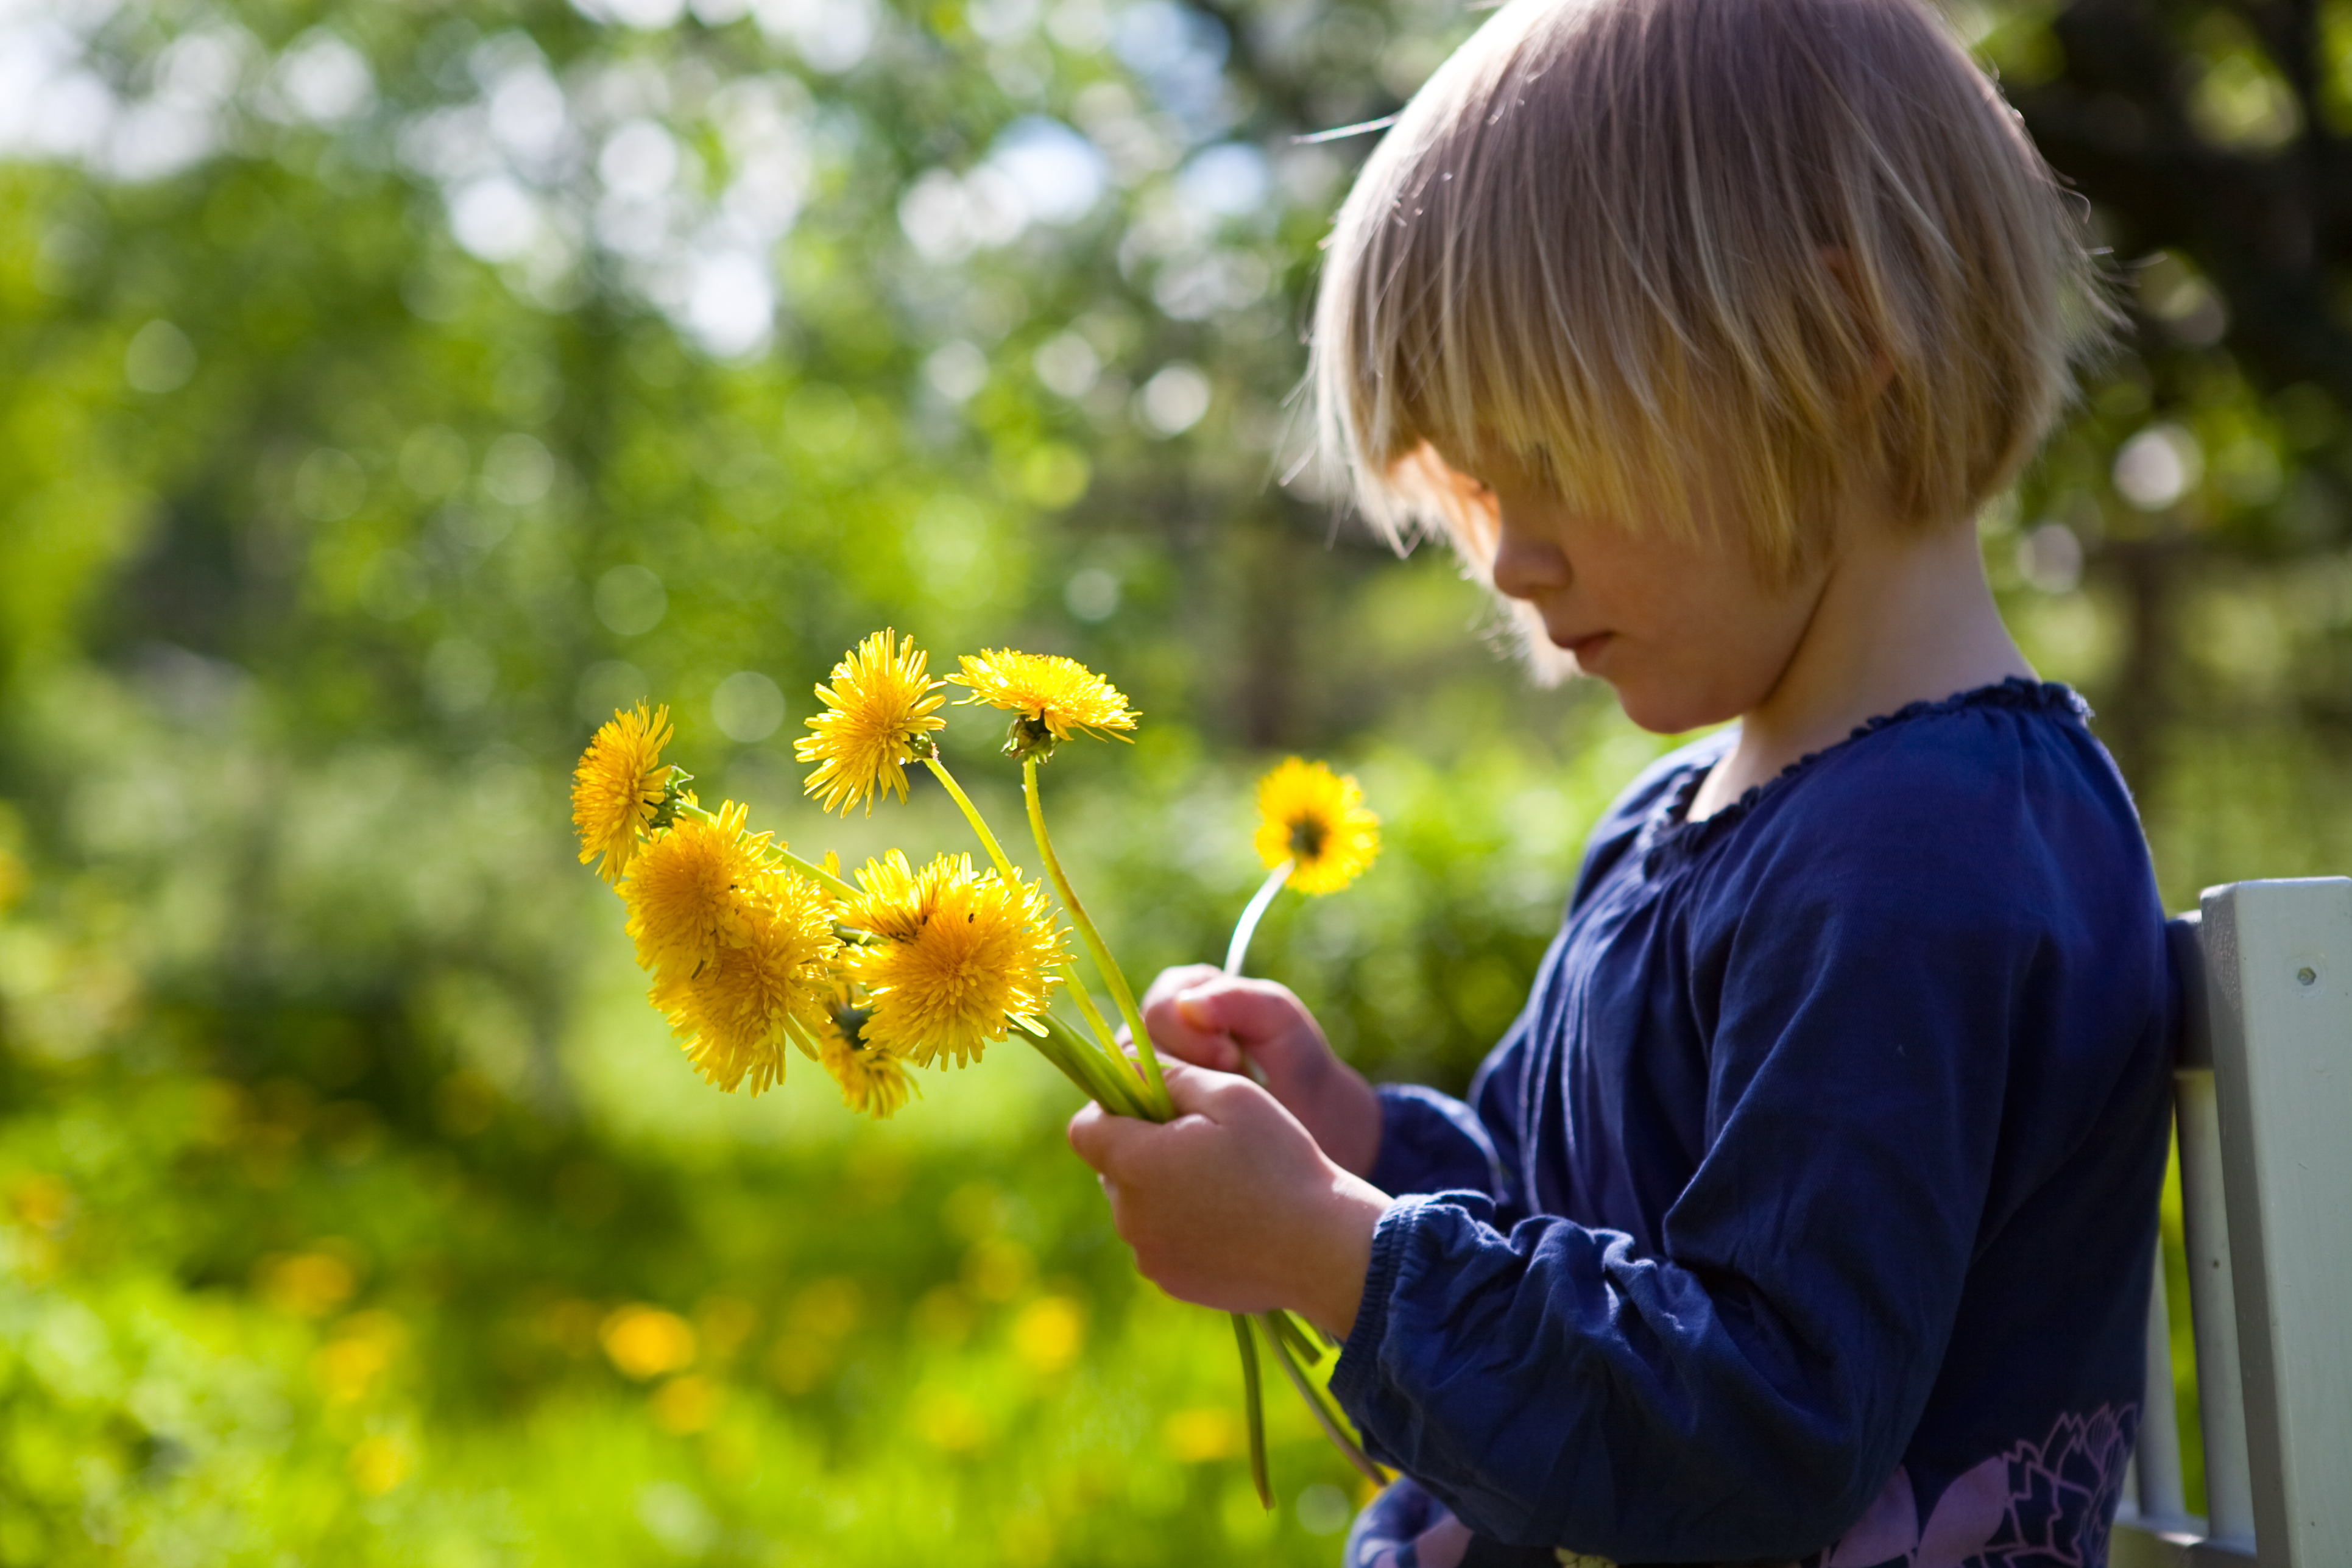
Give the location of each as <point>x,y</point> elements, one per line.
<point>1664,713</point>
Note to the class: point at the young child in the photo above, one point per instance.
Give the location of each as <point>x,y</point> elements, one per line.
<point>1807,1211</point>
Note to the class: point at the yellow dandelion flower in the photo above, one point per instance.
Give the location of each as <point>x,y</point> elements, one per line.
<point>879,708</point>
<point>896,898</point>
<point>873,1081</point>
<point>1050,697</point>
<point>1311,816</point>
<point>982,951</point>
<point>688,890</point>
<point>618,787</point>
<point>766,988</point>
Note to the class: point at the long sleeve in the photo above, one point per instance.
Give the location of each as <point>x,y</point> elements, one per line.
<point>1430,1143</point>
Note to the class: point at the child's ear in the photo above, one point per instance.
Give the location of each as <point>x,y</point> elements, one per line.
<point>1840,263</point>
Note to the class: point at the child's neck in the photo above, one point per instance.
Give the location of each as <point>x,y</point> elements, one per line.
<point>1900,617</point>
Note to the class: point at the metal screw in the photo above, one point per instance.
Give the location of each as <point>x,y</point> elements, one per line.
<point>2306,975</point>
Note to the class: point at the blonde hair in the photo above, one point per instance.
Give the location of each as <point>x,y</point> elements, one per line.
<point>1803,239</point>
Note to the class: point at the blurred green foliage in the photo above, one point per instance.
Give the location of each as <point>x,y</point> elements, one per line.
<point>395,389</point>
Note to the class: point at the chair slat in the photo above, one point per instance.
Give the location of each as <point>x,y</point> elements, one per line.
<point>2221,1384</point>
<point>2163,1502</point>
<point>2279,964</point>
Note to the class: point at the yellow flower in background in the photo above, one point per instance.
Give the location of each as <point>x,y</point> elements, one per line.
<point>873,1081</point>
<point>979,951</point>
<point>1316,818</point>
<point>879,708</point>
<point>1051,698</point>
<point>687,890</point>
<point>764,988</point>
<point>618,787</point>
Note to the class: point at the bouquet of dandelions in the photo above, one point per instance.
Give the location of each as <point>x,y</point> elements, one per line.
<point>753,948</point>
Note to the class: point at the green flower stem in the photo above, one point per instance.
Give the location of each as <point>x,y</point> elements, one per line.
<point>1260,902</point>
<point>1076,1059</point>
<point>1094,1018</point>
<point>1056,1049</point>
<point>1117,1091</point>
<point>971,814</point>
<point>1320,1404</point>
<point>1127,1096</point>
<point>814,872</point>
<point>1294,1334</point>
<point>1253,1407</point>
<point>1112,977</point>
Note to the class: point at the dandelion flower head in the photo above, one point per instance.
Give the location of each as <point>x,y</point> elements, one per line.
<point>896,898</point>
<point>688,891</point>
<point>873,1081</point>
<point>618,787</point>
<point>1315,819</point>
<point>879,706</point>
<point>754,995</point>
<point>1051,698</point>
<point>981,950</point>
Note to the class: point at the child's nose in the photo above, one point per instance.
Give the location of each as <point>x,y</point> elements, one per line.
<point>1527,564</point>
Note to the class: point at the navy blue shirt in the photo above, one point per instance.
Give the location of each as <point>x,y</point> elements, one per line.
<point>1808,1211</point>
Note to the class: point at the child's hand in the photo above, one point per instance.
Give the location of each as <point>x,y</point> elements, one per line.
<point>1232,1204</point>
<point>1213,1019</point>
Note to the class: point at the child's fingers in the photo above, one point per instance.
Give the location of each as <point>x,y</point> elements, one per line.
<point>1174,1034</point>
<point>1108,1142</point>
<point>1228,1101</point>
<point>1178,977</point>
<point>1251,1012</point>
<point>1197,1093</point>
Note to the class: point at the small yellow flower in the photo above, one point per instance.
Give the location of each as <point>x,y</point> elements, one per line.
<point>977,951</point>
<point>879,708</point>
<point>689,889</point>
<point>872,1081</point>
<point>767,988</point>
<point>1050,698</point>
<point>1316,818</point>
<point>618,787</point>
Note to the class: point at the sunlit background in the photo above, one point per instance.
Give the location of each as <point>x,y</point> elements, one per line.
<point>390,389</point>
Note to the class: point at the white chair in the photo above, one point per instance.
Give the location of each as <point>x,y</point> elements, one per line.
<point>2263,1098</point>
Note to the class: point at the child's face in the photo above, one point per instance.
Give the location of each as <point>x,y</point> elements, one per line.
<point>1686,633</point>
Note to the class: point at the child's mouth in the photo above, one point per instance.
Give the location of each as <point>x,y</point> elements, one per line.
<point>1584,648</point>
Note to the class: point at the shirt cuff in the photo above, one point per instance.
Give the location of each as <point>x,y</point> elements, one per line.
<point>1393,1240</point>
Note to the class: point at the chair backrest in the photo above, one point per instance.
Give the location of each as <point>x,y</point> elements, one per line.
<point>2263,1102</point>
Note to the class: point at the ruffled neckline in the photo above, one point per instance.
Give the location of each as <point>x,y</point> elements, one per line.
<point>1669,826</point>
